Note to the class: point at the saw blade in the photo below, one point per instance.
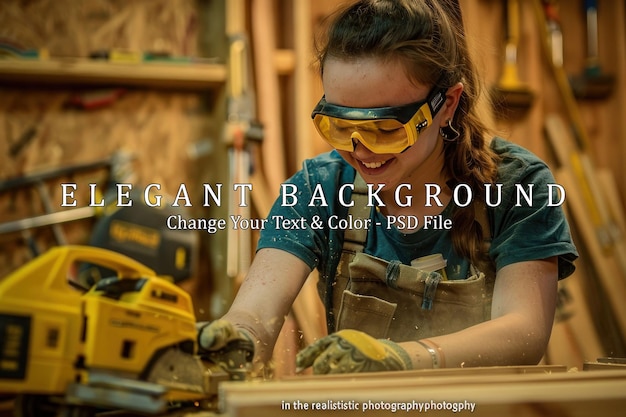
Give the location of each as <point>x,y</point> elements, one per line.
<point>178,370</point>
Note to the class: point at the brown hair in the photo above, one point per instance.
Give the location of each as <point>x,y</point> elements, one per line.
<point>427,36</point>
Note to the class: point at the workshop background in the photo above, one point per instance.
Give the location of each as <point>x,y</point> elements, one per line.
<point>152,91</point>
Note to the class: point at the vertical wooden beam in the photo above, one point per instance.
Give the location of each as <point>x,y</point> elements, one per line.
<point>302,78</point>
<point>268,91</point>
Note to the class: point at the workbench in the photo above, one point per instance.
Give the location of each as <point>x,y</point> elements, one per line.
<point>491,391</point>
<point>499,391</point>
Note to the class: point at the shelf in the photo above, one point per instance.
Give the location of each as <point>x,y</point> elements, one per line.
<point>71,71</point>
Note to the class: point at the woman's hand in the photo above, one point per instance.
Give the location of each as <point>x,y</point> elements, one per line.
<point>220,342</point>
<point>352,351</point>
<point>215,335</point>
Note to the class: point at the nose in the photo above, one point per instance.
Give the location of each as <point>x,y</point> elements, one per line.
<point>356,138</point>
<point>356,135</point>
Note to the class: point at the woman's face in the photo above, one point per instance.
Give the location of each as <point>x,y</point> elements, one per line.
<point>372,82</point>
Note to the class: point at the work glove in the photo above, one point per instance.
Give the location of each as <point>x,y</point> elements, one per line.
<point>215,335</point>
<point>221,342</point>
<point>352,351</point>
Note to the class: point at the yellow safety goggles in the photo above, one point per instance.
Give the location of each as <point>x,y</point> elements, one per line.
<point>380,129</point>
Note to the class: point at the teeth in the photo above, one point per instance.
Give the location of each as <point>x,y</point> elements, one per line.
<point>374,164</point>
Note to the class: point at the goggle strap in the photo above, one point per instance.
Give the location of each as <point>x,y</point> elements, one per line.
<point>436,100</point>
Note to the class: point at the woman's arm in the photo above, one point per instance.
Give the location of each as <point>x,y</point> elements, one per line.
<point>265,297</point>
<point>522,313</point>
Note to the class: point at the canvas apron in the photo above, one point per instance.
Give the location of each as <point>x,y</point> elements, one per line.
<point>398,301</point>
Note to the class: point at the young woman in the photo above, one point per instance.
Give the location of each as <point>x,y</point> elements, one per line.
<point>414,176</point>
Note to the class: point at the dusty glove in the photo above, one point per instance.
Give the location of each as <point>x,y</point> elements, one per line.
<point>352,351</point>
<point>216,335</point>
<point>220,342</point>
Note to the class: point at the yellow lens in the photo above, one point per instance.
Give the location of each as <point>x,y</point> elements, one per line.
<point>380,136</point>
<point>383,136</point>
<point>328,130</point>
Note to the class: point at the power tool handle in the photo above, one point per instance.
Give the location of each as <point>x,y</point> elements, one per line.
<point>122,264</point>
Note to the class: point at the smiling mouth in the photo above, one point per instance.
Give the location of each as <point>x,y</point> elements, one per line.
<point>373,165</point>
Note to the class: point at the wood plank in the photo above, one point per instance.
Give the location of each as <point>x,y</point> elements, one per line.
<point>184,76</point>
<point>268,92</point>
<point>611,193</point>
<point>605,264</point>
<point>447,372</point>
<point>492,394</point>
<point>574,338</point>
<point>304,77</point>
<point>284,61</point>
<point>595,366</point>
<point>608,188</point>
<point>533,394</point>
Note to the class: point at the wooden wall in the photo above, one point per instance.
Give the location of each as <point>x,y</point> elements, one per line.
<point>174,134</point>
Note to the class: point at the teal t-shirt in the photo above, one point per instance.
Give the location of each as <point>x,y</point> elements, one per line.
<point>307,228</point>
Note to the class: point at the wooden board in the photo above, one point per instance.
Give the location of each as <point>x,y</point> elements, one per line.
<point>574,338</point>
<point>268,92</point>
<point>530,394</point>
<point>605,265</point>
<point>191,76</point>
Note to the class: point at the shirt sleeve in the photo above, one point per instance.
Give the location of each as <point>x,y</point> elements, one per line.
<point>523,230</point>
<point>297,222</point>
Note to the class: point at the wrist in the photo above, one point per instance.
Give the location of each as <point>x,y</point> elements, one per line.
<point>400,351</point>
<point>435,352</point>
<point>425,354</point>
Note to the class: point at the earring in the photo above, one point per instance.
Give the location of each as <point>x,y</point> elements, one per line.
<point>448,132</point>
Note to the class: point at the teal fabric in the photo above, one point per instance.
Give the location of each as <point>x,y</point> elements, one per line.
<point>519,233</point>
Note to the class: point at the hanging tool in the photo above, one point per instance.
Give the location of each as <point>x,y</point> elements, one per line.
<point>241,127</point>
<point>95,99</point>
<point>510,91</point>
<point>25,138</point>
<point>555,35</point>
<point>137,231</point>
<point>114,163</point>
<point>593,82</point>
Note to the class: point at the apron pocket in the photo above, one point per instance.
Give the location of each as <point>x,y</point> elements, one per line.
<point>366,313</point>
